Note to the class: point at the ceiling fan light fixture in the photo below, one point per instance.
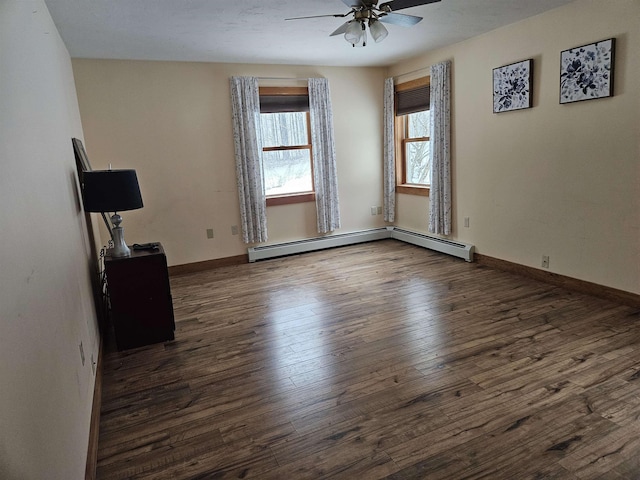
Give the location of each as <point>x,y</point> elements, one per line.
<point>353,34</point>
<point>378,31</point>
<point>364,38</point>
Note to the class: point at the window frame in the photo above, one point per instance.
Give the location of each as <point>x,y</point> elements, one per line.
<point>401,138</point>
<point>296,197</point>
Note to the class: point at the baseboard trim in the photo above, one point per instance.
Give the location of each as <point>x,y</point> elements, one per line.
<point>94,428</point>
<point>600,291</point>
<point>207,265</point>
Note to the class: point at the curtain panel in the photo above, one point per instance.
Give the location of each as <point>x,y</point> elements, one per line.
<point>389,161</point>
<point>440,194</point>
<point>324,156</point>
<point>245,107</point>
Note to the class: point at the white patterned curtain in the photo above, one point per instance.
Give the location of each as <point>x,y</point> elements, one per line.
<point>440,194</point>
<point>324,155</point>
<point>245,105</point>
<point>389,167</point>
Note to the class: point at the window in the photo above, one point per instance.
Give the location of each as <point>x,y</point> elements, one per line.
<point>286,136</point>
<point>412,137</point>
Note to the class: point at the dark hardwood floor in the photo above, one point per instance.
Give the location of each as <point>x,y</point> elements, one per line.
<point>379,360</point>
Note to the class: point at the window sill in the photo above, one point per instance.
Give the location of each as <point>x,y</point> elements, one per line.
<point>413,190</point>
<point>288,199</point>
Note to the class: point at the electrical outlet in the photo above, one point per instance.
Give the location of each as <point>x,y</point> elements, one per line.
<point>545,261</point>
<point>209,232</point>
<point>373,210</point>
<point>234,229</point>
<point>379,210</point>
<point>82,353</point>
<point>466,222</point>
<point>93,365</point>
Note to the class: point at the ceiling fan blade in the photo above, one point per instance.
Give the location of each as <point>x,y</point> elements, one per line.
<point>396,5</point>
<point>399,19</point>
<point>341,29</point>
<point>336,15</point>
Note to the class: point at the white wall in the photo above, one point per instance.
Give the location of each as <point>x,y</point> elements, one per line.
<point>46,305</point>
<point>172,122</point>
<point>557,180</point>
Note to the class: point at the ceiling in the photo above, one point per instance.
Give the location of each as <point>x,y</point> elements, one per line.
<point>253,31</point>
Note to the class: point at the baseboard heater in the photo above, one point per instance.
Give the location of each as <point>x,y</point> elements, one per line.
<point>320,243</point>
<point>449,247</point>
<point>457,249</point>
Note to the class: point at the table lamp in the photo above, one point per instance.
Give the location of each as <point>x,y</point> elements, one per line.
<point>112,191</point>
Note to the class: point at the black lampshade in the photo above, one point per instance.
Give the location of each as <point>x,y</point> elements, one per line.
<point>111,191</point>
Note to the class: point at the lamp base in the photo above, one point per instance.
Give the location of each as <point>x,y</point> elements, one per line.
<point>120,248</point>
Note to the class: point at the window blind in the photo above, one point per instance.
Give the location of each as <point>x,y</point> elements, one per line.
<point>284,103</point>
<point>412,101</point>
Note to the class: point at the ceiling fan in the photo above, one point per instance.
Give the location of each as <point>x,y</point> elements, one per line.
<point>369,13</point>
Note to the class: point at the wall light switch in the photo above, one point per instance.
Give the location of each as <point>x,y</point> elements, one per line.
<point>209,232</point>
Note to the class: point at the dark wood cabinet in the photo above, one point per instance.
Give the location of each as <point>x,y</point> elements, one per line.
<point>141,308</point>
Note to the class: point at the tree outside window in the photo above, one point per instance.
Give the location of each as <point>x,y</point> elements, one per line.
<point>416,149</point>
<point>286,153</point>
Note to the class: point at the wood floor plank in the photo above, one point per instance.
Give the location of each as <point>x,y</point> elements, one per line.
<point>378,360</point>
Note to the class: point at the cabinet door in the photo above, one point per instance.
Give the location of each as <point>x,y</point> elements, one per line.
<point>140,297</point>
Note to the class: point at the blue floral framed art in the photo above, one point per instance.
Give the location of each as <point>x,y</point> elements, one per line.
<point>512,86</point>
<point>586,72</point>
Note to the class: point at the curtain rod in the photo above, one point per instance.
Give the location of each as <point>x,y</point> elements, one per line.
<point>409,73</point>
<point>283,78</point>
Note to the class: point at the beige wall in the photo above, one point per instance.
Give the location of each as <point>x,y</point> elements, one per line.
<point>46,306</point>
<point>557,180</point>
<point>172,123</point>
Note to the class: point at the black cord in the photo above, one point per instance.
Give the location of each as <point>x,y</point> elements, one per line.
<point>104,289</point>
